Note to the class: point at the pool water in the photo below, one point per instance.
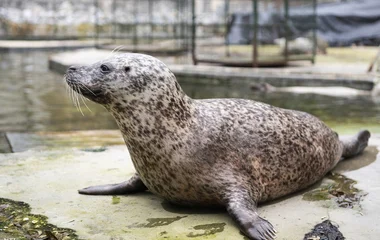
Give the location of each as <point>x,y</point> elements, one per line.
<point>33,98</point>
<point>346,115</point>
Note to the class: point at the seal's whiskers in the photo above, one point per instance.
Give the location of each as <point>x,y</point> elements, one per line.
<point>114,51</point>
<point>84,86</point>
<point>84,98</point>
<point>84,102</point>
<point>71,94</point>
<point>74,98</point>
<point>75,93</point>
<point>66,85</point>
<point>120,48</point>
<point>77,98</point>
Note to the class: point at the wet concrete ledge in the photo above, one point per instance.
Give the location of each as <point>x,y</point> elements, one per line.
<point>224,75</point>
<point>48,168</point>
<point>39,45</point>
<point>218,75</point>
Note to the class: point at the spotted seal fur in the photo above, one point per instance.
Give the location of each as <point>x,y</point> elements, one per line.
<point>230,152</point>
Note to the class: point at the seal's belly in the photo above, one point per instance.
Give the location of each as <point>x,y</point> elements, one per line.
<point>271,167</point>
<point>176,188</point>
<point>181,184</point>
<point>285,164</point>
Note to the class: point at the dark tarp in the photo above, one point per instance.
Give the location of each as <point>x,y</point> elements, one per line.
<point>270,27</point>
<point>346,23</point>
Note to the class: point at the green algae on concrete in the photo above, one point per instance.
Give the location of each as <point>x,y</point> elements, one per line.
<point>208,230</point>
<point>341,190</point>
<point>17,221</point>
<point>115,200</point>
<point>99,149</point>
<point>156,222</point>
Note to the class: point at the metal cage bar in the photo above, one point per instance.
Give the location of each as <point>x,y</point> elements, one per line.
<point>267,28</point>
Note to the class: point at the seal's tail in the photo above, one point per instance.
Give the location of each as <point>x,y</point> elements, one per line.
<point>356,144</point>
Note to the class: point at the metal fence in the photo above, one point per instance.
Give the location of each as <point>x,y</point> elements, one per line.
<point>254,32</point>
<point>156,26</point>
<point>229,32</point>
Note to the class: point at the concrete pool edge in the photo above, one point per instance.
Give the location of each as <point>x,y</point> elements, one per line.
<point>226,75</point>
<point>47,179</point>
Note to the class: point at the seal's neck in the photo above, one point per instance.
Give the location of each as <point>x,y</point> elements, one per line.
<point>154,118</point>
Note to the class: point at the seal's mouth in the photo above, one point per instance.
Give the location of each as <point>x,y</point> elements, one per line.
<point>95,94</point>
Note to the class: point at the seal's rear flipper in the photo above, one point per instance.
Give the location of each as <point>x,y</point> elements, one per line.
<point>133,185</point>
<point>355,145</point>
<point>244,211</point>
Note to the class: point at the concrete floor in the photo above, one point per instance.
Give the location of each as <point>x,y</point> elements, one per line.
<point>48,168</point>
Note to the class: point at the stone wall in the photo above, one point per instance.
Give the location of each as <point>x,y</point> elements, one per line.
<point>31,18</point>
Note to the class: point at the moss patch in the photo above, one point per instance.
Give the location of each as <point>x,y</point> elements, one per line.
<point>207,230</point>
<point>156,222</point>
<point>115,200</point>
<point>100,149</point>
<point>16,220</point>
<point>341,190</point>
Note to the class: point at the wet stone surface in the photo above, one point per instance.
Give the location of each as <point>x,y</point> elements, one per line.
<point>208,229</point>
<point>340,189</point>
<point>46,178</point>
<point>156,222</point>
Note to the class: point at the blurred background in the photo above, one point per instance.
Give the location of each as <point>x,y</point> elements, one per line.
<point>318,56</point>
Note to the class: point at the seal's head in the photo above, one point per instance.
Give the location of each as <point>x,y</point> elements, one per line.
<point>135,88</point>
<point>123,78</point>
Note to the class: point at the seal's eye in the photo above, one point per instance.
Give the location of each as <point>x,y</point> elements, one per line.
<point>127,69</point>
<point>105,68</point>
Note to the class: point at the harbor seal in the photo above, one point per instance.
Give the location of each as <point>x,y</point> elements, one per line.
<point>214,152</point>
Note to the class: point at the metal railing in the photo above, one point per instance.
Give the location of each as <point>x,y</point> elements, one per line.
<point>253,32</point>
<point>229,32</point>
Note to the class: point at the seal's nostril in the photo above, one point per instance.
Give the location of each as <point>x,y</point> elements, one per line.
<point>72,68</point>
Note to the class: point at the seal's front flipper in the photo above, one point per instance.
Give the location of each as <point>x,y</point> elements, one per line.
<point>243,209</point>
<point>133,185</point>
